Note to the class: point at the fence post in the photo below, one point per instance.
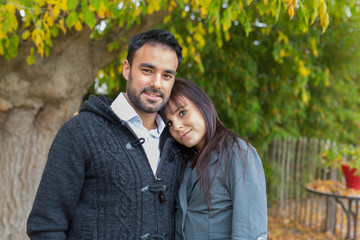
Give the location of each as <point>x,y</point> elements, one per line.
<point>331,207</point>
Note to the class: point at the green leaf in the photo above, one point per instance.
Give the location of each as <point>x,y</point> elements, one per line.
<point>72,19</point>
<point>25,3</point>
<point>71,4</point>
<point>11,46</point>
<point>95,4</point>
<point>30,58</point>
<point>90,19</point>
<point>54,31</point>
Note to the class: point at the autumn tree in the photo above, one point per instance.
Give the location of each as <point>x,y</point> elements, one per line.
<point>52,50</point>
<point>284,80</point>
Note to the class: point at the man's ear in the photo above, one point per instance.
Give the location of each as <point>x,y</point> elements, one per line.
<point>126,69</point>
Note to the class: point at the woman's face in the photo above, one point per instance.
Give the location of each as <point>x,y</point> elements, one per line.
<point>186,124</point>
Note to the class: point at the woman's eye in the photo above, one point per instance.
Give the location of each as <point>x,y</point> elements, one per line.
<point>169,124</point>
<point>182,113</point>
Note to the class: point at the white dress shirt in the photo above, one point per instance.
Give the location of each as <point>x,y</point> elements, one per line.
<point>126,112</point>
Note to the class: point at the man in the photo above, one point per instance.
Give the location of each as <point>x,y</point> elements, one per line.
<point>112,172</point>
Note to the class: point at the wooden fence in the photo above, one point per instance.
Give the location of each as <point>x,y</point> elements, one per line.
<point>292,163</point>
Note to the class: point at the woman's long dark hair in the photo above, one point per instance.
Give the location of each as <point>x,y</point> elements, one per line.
<point>218,137</point>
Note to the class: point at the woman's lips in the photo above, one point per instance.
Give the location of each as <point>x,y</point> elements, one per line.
<point>183,136</point>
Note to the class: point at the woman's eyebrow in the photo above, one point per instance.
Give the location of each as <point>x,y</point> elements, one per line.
<point>177,109</point>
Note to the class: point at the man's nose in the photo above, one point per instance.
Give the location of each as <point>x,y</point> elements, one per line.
<point>156,83</point>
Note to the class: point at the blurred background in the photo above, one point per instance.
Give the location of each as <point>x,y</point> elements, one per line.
<point>283,74</point>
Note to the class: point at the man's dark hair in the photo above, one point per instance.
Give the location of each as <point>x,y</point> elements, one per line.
<point>154,37</point>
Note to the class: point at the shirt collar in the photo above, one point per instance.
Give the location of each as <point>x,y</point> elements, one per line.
<point>126,112</point>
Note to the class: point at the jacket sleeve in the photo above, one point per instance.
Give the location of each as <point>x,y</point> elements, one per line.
<point>248,193</point>
<point>59,189</point>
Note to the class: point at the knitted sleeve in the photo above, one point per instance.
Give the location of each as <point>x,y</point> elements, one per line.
<point>59,189</point>
<point>248,193</point>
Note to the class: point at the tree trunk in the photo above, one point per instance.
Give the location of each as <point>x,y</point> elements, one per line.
<point>34,103</point>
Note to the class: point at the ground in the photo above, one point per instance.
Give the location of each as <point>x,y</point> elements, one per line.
<point>284,229</point>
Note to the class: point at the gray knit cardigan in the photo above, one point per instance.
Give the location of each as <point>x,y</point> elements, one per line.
<point>98,183</point>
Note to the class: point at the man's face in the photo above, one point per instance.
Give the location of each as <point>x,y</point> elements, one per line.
<point>150,78</point>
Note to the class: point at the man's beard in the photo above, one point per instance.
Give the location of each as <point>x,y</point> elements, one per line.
<point>149,106</point>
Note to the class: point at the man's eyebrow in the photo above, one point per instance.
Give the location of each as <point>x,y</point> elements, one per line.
<point>171,72</point>
<point>148,65</point>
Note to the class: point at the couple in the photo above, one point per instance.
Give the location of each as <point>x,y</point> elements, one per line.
<point>118,170</point>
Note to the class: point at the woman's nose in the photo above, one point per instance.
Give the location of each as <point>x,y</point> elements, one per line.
<point>177,125</point>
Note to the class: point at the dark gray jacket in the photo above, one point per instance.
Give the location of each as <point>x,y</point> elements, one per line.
<point>98,183</point>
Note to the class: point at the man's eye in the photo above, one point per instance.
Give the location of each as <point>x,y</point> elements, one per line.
<point>147,70</point>
<point>182,113</point>
<point>169,124</point>
<point>168,76</point>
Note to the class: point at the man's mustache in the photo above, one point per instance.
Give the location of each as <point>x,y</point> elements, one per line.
<point>153,90</point>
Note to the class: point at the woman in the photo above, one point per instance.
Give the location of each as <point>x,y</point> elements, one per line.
<point>222,194</point>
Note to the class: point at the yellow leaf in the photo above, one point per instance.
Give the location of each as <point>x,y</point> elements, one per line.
<point>228,100</point>
<point>81,16</point>
<point>283,37</point>
<point>304,71</point>
<point>55,11</point>
<point>78,26</point>
<point>41,3</point>
<point>265,2</point>
<point>327,77</point>
<point>201,29</point>
<point>305,96</point>
<point>25,35</point>
<point>150,9</point>
<point>157,6</point>
<point>313,47</point>
<point>226,25</point>
<point>63,5</point>
<point>13,22</point>
<point>30,59</point>
<point>227,36</point>
<point>204,11</point>
<point>283,53</point>
<point>188,40</point>
<point>62,26</point>
<point>291,11</point>
<point>10,8</point>
<point>91,8</point>
<point>183,14</point>
<point>37,10</point>
<point>102,11</point>
<point>199,38</point>
<point>197,58</point>
<point>167,19</point>
<point>52,2</point>
<point>50,20</point>
<point>173,3</point>
<point>185,51</point>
